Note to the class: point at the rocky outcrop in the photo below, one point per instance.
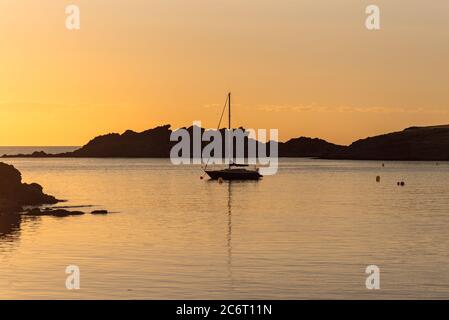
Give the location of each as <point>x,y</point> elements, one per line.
<point>412,144</point>
<point>14,194</point>
<point>153,143</point>
<point>308,147</point>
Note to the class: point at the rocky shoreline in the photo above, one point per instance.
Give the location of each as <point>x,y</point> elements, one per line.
<point>16,195</point>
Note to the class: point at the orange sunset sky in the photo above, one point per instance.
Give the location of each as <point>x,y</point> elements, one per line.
<point>306,67</point>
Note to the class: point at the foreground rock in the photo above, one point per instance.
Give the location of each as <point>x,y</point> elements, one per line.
<point>14,194</point>
<point>52,212</point>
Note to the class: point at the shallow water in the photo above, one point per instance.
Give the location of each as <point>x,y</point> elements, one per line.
<point>308,232</point>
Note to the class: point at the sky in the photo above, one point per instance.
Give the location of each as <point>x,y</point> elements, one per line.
<point>304,67</point>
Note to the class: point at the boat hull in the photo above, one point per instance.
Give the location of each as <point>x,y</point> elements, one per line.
<point>233,174</point>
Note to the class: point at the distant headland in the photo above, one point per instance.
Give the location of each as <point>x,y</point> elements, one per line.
<point>414,143</point>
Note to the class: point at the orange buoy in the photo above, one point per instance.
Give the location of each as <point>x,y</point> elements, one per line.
<point>378,179</point>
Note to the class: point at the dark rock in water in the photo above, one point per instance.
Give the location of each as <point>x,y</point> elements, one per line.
<point>53,213</point>
<point>99,212</point>
<point>14,194</point>
<point>64,213</point>
<point>32,194</point>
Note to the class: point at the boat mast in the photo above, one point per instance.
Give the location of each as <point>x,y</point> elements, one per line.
<point>229,129</point>
<point>229,115</point>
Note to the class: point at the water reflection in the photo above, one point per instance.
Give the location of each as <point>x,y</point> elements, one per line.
<point>11,223</point>
<point>229,235</point>
<point>9,226</point>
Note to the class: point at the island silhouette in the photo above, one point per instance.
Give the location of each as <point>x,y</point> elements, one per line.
<point>415,143</point>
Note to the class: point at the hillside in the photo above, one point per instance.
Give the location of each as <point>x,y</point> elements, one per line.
<point>415,143</point>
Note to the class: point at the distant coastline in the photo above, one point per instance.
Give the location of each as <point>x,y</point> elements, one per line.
<point>12,150</point>
<point>412,144</point>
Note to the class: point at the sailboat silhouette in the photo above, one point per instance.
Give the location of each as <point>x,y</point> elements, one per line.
<point>234,171</point>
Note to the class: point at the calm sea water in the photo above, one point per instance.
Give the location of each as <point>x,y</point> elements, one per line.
<point>308,232</point>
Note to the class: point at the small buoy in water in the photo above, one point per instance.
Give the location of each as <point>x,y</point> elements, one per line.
<point>201,178</point>
<point>383,164</point>
<point>402,183</point>
<point>220,180</point>
<point>378,179</point>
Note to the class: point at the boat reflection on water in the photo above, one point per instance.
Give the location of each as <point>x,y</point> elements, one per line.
<point>232,186</point>
<point>229,235</point>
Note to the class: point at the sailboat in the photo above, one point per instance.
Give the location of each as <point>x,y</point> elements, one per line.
<point>234,171</point>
